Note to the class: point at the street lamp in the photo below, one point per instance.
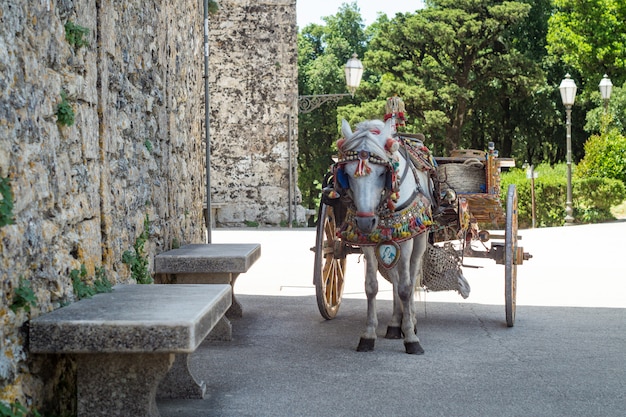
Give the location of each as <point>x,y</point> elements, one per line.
<point>606,86</point>
<point>568,95</point>
<point>354,73</point>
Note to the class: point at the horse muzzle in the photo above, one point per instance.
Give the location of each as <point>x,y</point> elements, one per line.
<point>366,221</point>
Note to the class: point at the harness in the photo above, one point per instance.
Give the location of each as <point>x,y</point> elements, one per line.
<point>396,223</point>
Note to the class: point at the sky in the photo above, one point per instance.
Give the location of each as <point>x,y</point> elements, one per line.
<point>312,11</point>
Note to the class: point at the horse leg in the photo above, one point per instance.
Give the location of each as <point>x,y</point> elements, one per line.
<point>407,277</point>
<point>406,289</point>
<point>368,338</point>
<point>420,244</point>
<point>394,330</point>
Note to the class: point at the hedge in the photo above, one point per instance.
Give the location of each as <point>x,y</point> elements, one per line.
<point>592,198</point>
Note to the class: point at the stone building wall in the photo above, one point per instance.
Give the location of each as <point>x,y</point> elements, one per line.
<point>81,193</point>
<point>253,53</point>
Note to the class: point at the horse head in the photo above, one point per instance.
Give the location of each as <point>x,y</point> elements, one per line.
<point>366,162</point>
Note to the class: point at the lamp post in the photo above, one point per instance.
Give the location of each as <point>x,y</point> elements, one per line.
<point>354,73</point>
<point>606,86</point>
<point>307,103</point>
<point>568,95</point>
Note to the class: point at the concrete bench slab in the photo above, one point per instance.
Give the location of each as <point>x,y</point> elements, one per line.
<point>207,264</point>
<point>125,343</point>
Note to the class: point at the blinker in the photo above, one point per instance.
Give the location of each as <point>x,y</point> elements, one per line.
<point>342,178</point>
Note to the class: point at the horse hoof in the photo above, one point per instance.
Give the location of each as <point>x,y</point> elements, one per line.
<point>393,332</point>
<point>413,348</point>
<point>365,345</point>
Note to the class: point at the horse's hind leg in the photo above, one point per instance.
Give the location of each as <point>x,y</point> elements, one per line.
<point>368,338</point>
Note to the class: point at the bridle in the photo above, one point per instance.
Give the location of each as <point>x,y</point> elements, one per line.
<point>391,195</point>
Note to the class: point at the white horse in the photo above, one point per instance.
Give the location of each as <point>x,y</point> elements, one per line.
<point>390,203</point>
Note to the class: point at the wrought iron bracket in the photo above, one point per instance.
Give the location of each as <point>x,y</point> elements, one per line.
<point>307,104</point>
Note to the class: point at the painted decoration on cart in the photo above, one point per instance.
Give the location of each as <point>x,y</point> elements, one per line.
<point>388,253</point>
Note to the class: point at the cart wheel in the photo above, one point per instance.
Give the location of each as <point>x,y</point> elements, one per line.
<point>510,252</point>
<point>330,263</point>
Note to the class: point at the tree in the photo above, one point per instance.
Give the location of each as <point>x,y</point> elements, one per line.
<point>322,54</point>
<point>442,58</point>
<point>590,37</point>
<point>605,157</point>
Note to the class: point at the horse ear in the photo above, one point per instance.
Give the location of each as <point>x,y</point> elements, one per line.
<point>387,130</point>
<point>345,129</point>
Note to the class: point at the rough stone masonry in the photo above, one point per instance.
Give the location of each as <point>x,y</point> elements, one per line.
<point>81,193</point>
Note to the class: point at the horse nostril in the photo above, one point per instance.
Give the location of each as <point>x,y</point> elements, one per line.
<point>366,223</point>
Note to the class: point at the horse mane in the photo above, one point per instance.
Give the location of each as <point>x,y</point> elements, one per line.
<point>367,136</point>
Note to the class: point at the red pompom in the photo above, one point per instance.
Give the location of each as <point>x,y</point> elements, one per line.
<point>391,145</point>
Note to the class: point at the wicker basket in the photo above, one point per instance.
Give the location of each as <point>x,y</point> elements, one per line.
<point>468,177</point>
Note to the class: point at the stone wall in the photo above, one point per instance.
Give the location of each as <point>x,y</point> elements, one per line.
<point>81,193</point>
<point>253,52</point>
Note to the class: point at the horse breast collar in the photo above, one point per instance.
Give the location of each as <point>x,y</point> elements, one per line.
<point>396,224</point>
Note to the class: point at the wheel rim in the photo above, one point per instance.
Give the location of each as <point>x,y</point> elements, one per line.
<point>329,271</point>
<point>510,252</point>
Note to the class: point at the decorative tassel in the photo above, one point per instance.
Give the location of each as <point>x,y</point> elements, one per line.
<point>362,169</point>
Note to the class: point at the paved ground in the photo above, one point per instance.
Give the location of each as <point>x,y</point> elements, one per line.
<point>564,357</point>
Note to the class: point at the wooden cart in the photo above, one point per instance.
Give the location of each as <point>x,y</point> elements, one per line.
<point>460,216</point>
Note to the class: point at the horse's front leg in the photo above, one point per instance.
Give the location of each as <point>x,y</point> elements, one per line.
<point>405,284</point>
<point>394,330</point>
<point>368,338</point>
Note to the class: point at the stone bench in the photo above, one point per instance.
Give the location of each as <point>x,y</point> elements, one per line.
<point>126,341</point>
<point>207,264</point>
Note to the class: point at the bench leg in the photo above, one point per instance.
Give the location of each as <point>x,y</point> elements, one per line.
<point>120,384</point>
<point>222,331</point>
<point>179,382</point>
<point>236,310</point>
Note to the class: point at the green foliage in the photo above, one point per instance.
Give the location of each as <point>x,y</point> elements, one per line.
<point>550,195</point>
<point>451,58</point>
<point>250,223</point>
<point>322,53</point>
<point>24,297</point>
<point>82,288</point>
<point>213,7</point>
<point>592,197</point>
<point>605,157</point>
<point>588,37</point>
<point>65,112</point>
<point>6,202</point>
<point>600,120</point>
<point>469,72</point>
<point>75,35</point>
<point>137,259</point>
<point>102,283</point>
<point>16,410</point>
